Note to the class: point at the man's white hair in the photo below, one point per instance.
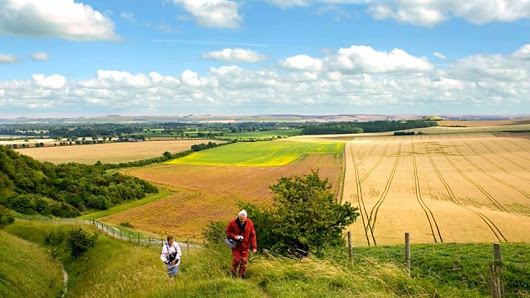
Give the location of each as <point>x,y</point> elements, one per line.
<point>243,212</point>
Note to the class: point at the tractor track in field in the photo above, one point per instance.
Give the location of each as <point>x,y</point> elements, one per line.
<point>489,161</point>
<point>376,164</point>
<point>524,193</point>
<point>480,188</point>
<point>372,219</point>
<point>496,231</point>
<point>369,153</point>
<point>507,159</point>
<point>510,151</point>
<point>426,209</point>
<point>360,201</point>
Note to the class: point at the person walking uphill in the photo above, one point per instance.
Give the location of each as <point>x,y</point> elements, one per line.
<point>241,229</point>
<point>171,256</point>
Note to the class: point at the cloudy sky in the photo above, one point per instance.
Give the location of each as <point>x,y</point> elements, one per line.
<point>240,57</point>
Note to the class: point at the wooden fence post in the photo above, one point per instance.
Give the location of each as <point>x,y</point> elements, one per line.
<point>188,244</point>
<point>497,287</point>
<point>121,238</point>
<point>149,240</point>
<point>350,248</point>
<point>407,253</point>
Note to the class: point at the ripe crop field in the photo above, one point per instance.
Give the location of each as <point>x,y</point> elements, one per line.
<point>203,193</point>
<point>264,154</point>
<point>471,187</point>
<point>108,153</point>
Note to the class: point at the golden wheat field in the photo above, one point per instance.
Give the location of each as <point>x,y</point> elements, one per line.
<point>109,152</point>
<point>472,187</point>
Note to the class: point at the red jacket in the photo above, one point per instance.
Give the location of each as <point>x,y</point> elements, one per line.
<point>249,235</point>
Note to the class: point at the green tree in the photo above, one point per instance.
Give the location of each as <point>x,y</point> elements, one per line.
<point>306,216</point>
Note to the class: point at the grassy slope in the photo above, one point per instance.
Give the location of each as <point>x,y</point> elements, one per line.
<point>121,269</point>
<point>162,193</point>
<point>258,154</point>
<point>26,270</point>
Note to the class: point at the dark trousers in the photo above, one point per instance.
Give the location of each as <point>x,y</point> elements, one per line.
<point>240,259</point>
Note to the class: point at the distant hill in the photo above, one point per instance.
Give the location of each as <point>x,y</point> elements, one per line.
<point>65,190</point>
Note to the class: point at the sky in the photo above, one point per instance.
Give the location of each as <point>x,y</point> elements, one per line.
<point>72,58</point>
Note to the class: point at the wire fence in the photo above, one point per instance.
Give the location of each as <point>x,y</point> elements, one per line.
<point>119,232</point>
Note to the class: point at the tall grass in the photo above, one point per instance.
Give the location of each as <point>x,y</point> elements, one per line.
<point>115,268</point>
<point>27,270</point>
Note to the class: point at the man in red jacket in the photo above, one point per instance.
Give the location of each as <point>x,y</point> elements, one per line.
<point>241,229</point>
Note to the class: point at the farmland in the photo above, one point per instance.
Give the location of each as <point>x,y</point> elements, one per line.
<point>259,153</point>
<point>470,187</point>
<point>108,153</point>
<point>202,193</point>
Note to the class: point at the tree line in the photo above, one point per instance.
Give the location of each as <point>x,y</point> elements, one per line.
<point>360,127</point>
<point>31,187</point>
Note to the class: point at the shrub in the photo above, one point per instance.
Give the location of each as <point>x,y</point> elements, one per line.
<point>79,240</point>
<point>6,217</point>
<point>126,224</point>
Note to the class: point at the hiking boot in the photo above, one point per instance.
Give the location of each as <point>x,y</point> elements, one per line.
<point>234,275</point>
<point>243,276</point>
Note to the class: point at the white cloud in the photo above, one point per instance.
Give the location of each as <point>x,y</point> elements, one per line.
<point>430,13</point>
<point>128,15</point>
<point>289,3</point>
<point>302,62</point>
<point>57,18</point>
<point>378,82</point>
<point>40,56</point>
<point>235,56</point>
<point>8,59</point>
<point>523,52</point>
<point>364,59</point>
<point>439,55</point>
<point>213,13</point>
<point>50,82</point>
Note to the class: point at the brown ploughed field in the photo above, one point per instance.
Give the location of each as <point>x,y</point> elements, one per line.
<point>210,193</point>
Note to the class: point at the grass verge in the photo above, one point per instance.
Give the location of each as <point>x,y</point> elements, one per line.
<point>27,270</point>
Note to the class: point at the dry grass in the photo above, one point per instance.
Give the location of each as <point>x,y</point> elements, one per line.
<point>108,153</point>
<point>450,188</point>
<point>483,123</point>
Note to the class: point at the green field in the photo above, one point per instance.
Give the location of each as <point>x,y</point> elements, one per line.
<point>151,198</point>
<point>264,154</point>
<point>266,134</point>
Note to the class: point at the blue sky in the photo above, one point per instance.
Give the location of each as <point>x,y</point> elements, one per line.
<point>62,58</point>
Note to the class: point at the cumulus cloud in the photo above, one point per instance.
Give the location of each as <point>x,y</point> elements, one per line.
<point>58,18</point>
<point>235,56</point>
<point>430,13</point>
<point>479,83</point>
<point>8,59</point>
<point>302,62</point>
<point>40,56</point>
<point>365,59</point>
<point>213,13</point>
<point>523,52</point>
<point>49,82</point>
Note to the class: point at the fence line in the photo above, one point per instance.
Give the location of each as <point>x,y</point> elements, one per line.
<point>117,233</point>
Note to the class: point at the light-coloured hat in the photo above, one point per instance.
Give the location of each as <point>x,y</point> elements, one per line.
<point>243,212</point>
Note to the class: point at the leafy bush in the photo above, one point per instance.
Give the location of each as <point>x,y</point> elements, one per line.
<point>80,240</point>
<point>126,224</point>
<point>6,217</point>
<point>304,218</point>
